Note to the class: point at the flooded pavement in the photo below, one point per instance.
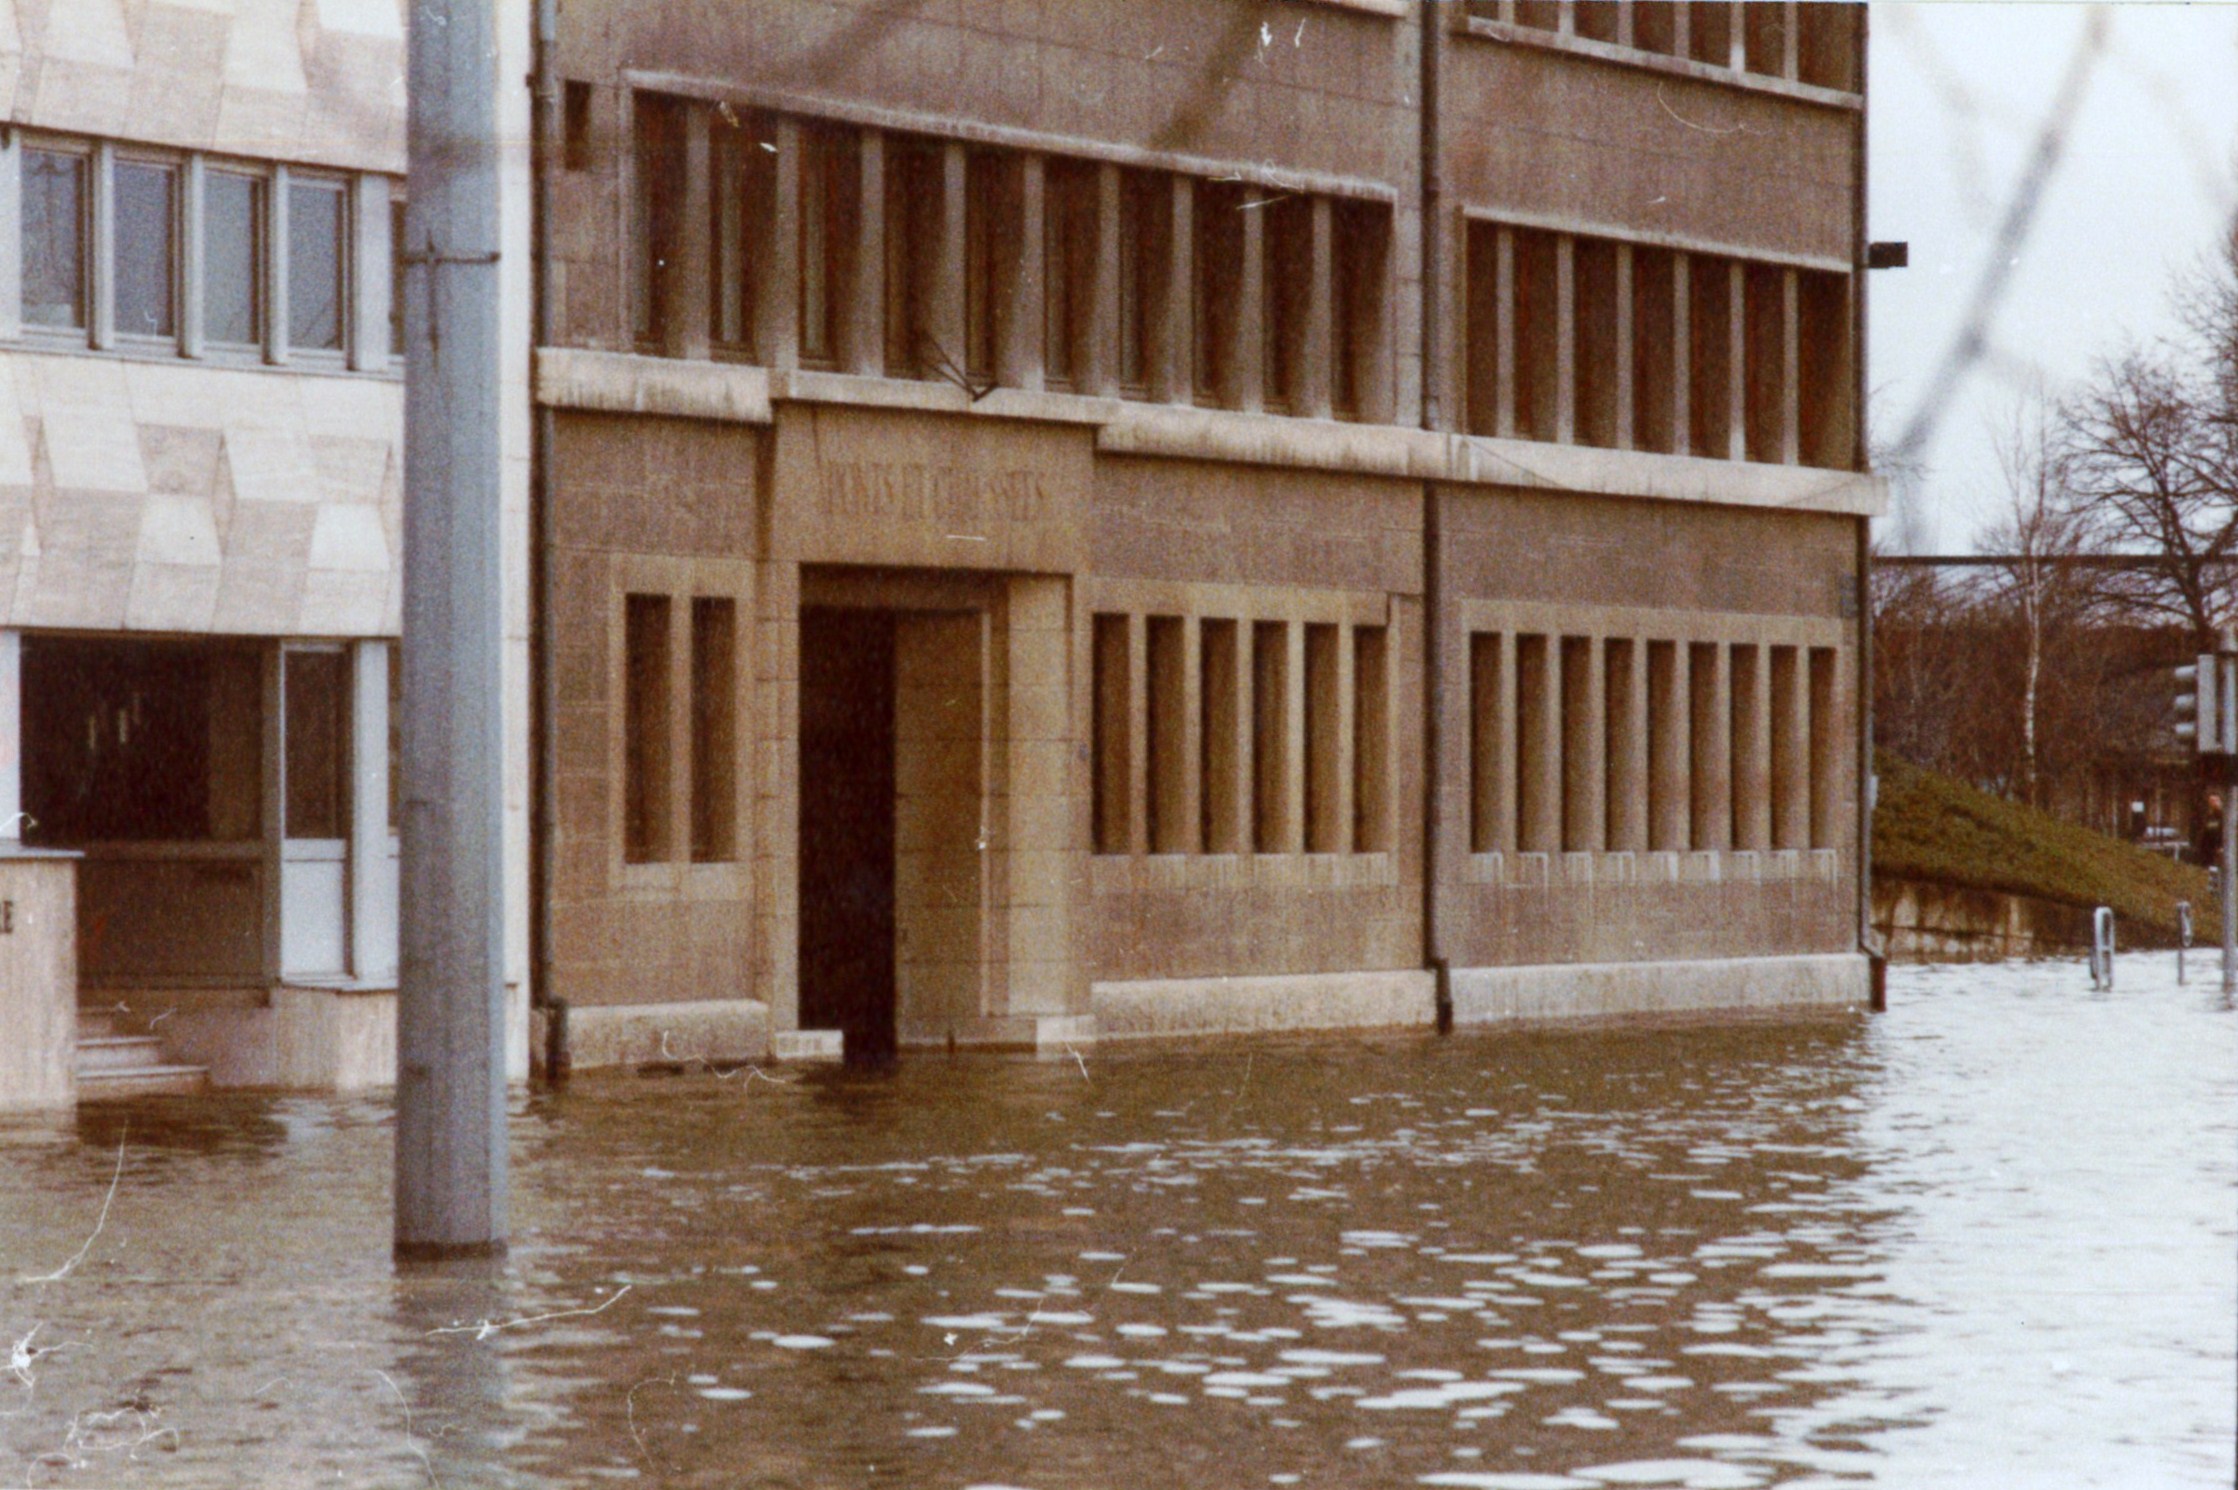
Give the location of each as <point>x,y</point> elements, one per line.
<point>1989,1238</point>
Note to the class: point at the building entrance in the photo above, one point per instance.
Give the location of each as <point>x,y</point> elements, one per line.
<point>847,688</point>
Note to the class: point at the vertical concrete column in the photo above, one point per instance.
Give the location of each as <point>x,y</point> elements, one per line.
<point>1101,375</point>
<point>1682,328</point>
<point>866,294</point>
<point>1791,40</point>
<point>1019,361</point>
<point>276,269</point>
<point>1791,349</point>
<point>1294,738</point>
<point>101,247</point>
<point>1314,393</point>
<point>372,889</point>
<point>1138,736</point>
<point>1565,338</point>
<point>190,220</point>
<point>944,319</point>
<point>778,290</point>
<point>1626,361</point>
<point>1172,347</point>
<point>1188,794</point>
<point>1624,708</point>
<point>369,278</point>
<point>271,789</point>
<point>1672,772</point>
<point>11,736</point>
<point>1247,358</point>
<point>1341,759</point>
<point>1565,17</point>
<point>1710,703</point>
<point>1624,24</point>
<point>685,335</point>
<point>1044,804</point>
<point>1751,743</point>
<point>1791,737</point>
<point>1504,355</point>
<point>1228,745</point>
<point>1503,746</point>
<point>1736,28</point>
<point>777,792</point>
<point>1736,351</point>
<point>1584,738</point>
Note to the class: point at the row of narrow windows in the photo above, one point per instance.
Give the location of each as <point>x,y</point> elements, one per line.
<point>126,247</point>
<point>1588,744</point>
<point>1809,42</point>
<point>1593,341</point>
<point>679,713</point>
<point>1225,735</point>
<point>791,242</point>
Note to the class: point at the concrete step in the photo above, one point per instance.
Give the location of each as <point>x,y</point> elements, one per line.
<point>143,1081</point>
<point>96,1026</point>
<point>117,1052</point>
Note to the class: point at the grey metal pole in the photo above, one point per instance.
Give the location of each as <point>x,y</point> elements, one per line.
<point>2229,899</point>
<point>450,1094</point>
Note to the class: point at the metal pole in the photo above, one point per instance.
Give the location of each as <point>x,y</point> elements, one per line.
<point>2229,902</point>
<point>450,1095</point>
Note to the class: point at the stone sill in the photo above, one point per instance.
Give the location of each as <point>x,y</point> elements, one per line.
<point>1540,871</point>
<point>630,383</point>
<point>1678,67</point>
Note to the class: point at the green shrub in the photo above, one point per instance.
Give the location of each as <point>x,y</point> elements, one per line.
<point>1929,827</point>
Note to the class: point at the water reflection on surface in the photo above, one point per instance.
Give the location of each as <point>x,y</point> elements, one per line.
<point>1984,1239</point>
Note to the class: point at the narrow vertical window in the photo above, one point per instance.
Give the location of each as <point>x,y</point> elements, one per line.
<point>986,227</point>
<point>730,321</point>
<point>1581,748</point>
<point>1825,411</point>
<point>1538,747</point>
<point>827,180</point>
<point>1145,241</point>
<point>1655,26</point>
<point>1482,314</point>
<point>1827,46</point>
<point>1596,20</point>
<point>1790,765</point>
<point>645,728</point>
<point>714,729</point>
<point>1487,703</point>
<point>1594,365</point>
<point>1216,263</point>
<point>1165,735</point>
<point>913,210</point>
<point>1825,748</point>
<point>1324,824</point>
<point>144,256</point>
<point>1654,351</point>
<point>1536,316</point>
<point>575,113</point>
<point>1270,736</point>
<point>1218,759</point>
<point>1108,724</point>
<point>54,235</point>
<point>1764,309</point>
<point>1666,750</point>
<point>1287,292</point>
<point>660,211</point>
<point>1623,792</point>
<point>1359,248</point>
<point>1710,353</point>
<point>316,722</point>
<point>1709,812</point>
<point>1539,15</point>
<point>1371,740</point>
<point>233,260</point>
<point>399,264</point>
<point>1747,772</point>
<point>1069,232</point>
<point>1710,32</point>
<point>317,263</point>
<point>1765,37</point>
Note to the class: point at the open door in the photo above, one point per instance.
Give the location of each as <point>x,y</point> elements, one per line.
<point>847,828</point>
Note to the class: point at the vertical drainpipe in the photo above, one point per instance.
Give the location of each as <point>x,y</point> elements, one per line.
<point>544,148</point>
<point>1433,619</point>
<point>1862,459</point>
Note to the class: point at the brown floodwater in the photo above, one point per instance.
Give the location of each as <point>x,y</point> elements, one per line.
<point>1988,1238</point>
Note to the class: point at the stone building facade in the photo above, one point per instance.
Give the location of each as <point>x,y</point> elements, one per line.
<point>1028,523</point>
<point>1074,522</point>
<point>201,406</point>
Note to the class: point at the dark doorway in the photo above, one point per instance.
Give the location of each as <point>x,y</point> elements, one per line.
<point>847,828</point>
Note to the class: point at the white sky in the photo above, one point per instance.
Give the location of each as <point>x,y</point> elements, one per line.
<point>1959,91</point>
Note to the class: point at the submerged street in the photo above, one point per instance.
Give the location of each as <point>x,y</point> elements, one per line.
<point>1985,1239</point>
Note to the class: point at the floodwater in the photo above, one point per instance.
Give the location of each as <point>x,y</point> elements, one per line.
<point>1985,1239</point>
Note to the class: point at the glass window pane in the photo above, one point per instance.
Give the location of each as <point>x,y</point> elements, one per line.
<point>232,257</point>
<point>53,238</point>
<point>315,239</point>
<point>318,734</point>
<point>145,232</point>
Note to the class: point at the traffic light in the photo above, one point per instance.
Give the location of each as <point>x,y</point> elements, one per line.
<point>2207,704</point>
<point>2196,714</point>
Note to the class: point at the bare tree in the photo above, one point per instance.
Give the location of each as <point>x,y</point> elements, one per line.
<point>2038,528</point>
<point>2149,461</point>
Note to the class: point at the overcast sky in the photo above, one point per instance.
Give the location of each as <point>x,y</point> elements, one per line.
<point>1960,91</point>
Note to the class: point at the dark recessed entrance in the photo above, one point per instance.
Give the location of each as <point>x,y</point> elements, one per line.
<point>847,828</point>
